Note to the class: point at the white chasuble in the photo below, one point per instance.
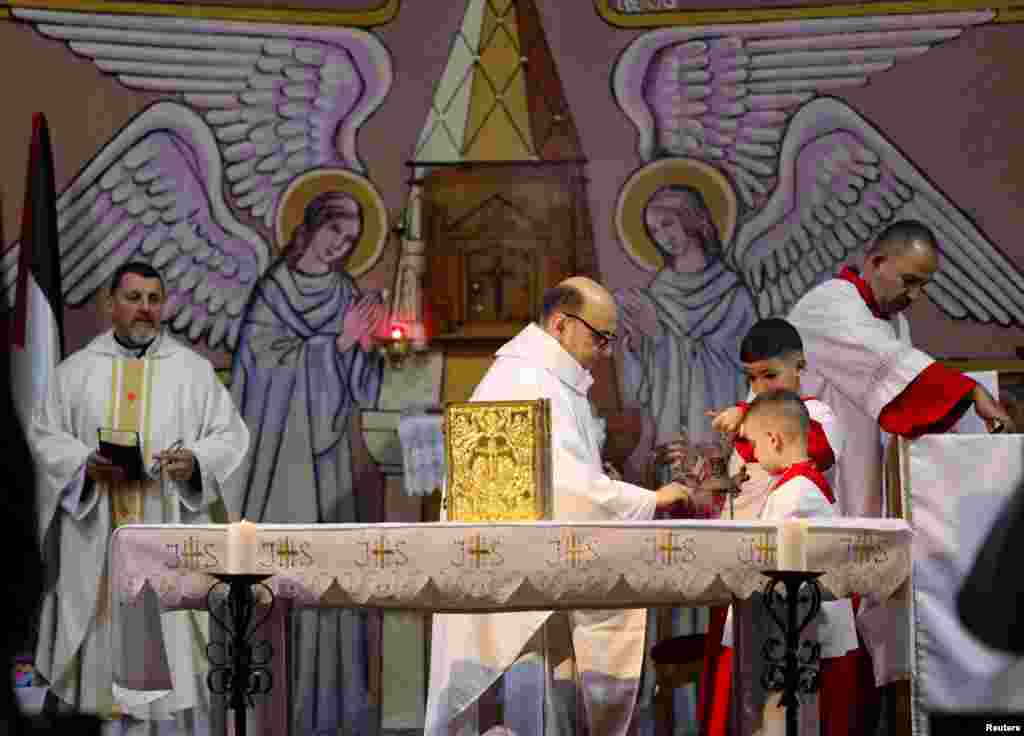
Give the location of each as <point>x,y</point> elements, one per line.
<point>470,652</point>
<point>170,397</point>
<point>857,364</point>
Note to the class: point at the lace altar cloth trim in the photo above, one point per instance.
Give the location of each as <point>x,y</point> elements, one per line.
<point>508,566</point>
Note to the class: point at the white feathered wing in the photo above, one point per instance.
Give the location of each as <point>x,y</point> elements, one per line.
<point>840,183</point>
<point>154,193</point>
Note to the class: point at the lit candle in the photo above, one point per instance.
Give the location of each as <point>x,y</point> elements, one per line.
<point>241,548</point>
<point>793,544</point>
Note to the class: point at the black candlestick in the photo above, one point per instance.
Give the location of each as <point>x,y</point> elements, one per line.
<point>730,492</point>
<point>239,666</point>
<point>792,666</point>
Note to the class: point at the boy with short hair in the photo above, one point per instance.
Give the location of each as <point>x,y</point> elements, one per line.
<point>776,425</point>
<point>772,356</point>
<point>786,444</point>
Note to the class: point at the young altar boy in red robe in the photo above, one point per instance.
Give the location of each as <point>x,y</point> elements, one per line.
<point>772,357</point>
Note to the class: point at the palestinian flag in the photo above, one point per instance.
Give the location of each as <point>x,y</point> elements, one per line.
<point>36,329</point>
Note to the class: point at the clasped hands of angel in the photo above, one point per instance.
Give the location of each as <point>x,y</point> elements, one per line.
<point>362,322</point>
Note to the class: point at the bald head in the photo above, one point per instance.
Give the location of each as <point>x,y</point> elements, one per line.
<point>582,315</point>
<point>579,295</point>
<point>784,410</point>
<point>776,424</point>
<point>906,237</point>
<point>900,263</point>
<point>595,296</point>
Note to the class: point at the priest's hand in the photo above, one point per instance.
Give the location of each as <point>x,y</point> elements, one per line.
<point>100,469</point>
<point>179,464</point>
<point>726,421</point>
<point>672,494</point>
<point>995,416</point>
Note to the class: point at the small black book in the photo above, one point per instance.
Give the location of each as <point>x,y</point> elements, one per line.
<point>123,448</point>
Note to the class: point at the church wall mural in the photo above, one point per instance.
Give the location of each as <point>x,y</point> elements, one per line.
<point>716,160</point>
<point>754,161</point>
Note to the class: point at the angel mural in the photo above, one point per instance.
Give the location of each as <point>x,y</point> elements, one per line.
<point>303,366</point>
<point>734,126</point>
<point>682,331</point>
<point>796,183</point>
<point>266,117</point>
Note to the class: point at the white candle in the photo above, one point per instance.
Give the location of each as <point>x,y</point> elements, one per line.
<point>793,544</point>
<point>241,548</point>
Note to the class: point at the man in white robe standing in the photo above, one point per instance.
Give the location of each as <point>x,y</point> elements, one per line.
<point>860,362</point>
<point>134,378</point>
<point>470,652</point>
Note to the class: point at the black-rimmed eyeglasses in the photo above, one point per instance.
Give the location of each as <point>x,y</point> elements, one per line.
<point>603,339</point>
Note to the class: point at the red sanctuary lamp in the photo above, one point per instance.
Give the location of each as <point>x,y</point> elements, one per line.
<point>396,345</point>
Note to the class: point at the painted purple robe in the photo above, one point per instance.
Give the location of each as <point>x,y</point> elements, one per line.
<point>297,394</point>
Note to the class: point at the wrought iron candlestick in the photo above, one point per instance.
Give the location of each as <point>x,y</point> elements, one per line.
<point>730,492</point>
<point>792,666</point>
<point>239,668</point>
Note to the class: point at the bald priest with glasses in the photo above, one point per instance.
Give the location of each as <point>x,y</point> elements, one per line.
<point>553,359</point>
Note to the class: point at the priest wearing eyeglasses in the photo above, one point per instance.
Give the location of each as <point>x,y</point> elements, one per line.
<point>542,690</point>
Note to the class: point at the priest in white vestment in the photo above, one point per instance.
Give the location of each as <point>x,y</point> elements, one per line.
<point>135,378</point>
<point>860,362</point>
<point>470,652</point>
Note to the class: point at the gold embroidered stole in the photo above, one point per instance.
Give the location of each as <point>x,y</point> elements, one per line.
<point>129,410</point>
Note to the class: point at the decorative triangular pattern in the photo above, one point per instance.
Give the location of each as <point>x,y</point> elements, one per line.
<point>495,209</point>
<point>444,131</point>
<point>499,129</point>
<point>500,98</point>
<point>551,122</point>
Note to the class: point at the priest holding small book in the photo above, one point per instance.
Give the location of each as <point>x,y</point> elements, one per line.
<point>135,428</point>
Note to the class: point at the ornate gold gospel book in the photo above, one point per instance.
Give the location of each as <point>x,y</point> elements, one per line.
<point>498,455</point>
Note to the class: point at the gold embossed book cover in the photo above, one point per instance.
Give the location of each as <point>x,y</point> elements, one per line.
<point>498,455</point>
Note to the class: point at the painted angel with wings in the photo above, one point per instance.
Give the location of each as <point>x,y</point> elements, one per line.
<point>759,187</point>
<point>264,117</point>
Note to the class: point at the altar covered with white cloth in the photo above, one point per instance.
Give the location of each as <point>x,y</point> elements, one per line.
<point>458,567</point>
<point>954,487</point>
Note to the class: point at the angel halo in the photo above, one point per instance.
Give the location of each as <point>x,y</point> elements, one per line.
<point>305,187</point>
<point>714,187</point>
